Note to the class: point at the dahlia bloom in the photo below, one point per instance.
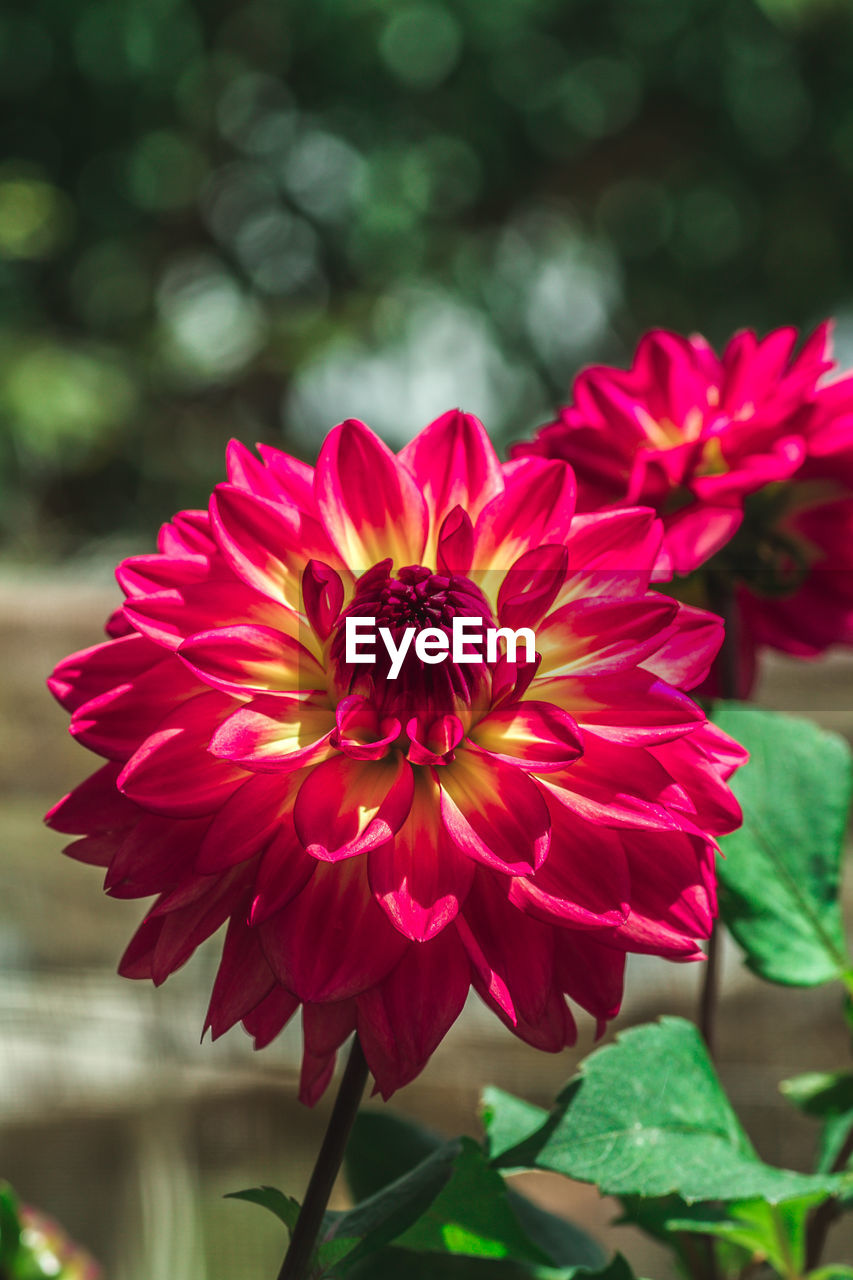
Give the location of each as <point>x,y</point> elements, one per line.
<point>748,459</point>
<point>378,845</point>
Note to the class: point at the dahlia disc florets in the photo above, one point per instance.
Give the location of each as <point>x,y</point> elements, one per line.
<point>460,811</point>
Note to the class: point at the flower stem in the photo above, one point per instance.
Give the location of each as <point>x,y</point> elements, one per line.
<point>309,1223</point>
<point>721,598</point>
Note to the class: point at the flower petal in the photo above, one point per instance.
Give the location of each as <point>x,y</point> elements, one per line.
<point>277,733</point>
<point>243,979</point>
<point>370,801</point>
<point>247,821</point>
<point>420,877</point>
<point>369,501</point>
<point>535,736</point>
<point>333,940</point>
<point>267,544</point>
<point>250,659</point>
<point>494,813</point>
<point>403,1019</point>
<point>173,772</point>
<point>537,506</point>
<point>455,464</point>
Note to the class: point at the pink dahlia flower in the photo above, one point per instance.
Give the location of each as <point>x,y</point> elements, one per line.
<point>747,457</point>
<point>378,843</point>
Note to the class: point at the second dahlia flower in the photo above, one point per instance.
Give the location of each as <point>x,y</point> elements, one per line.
<point>382,837</point>
<point>747,457</point>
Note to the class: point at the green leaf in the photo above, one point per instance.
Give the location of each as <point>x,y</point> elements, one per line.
<point>387,1214</point>
<point>471,1215</point>
<point>10,1225</point>
<point>508,1120</point>
<point>385,1146</point>
<point>835,1271</point>
<point>564,1242</point>
<point>393,1263</point>
<point>780,879</point>
<point>775,1233</point>
<point>647,1116</point>
<point>285,1208</point>
<point>829,1096</point>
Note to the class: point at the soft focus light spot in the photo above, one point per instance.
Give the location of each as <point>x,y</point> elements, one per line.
<point>769,105</point>
<point>636,215</point>
<point>59,398</point>
<point>26,54</point>
<point>234,193</point>
<point>710,227</point>
<point>110,285</point>
<point>35,217</point>
<point>256,114</point>
<point>323,173</point>
<point>164,171</point>
<point>421,44</point>
<point>601,96</point>
<point>436,352</point>
<point>569,301</point>
<point>278,251</point>
<point>212,327</point>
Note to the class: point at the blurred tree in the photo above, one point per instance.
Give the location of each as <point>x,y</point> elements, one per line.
<point>256,217</point>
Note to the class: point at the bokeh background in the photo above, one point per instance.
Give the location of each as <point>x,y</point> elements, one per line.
<point>255,218</point>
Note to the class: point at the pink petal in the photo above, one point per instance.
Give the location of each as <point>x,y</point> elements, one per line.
<point>370,504</point>
<point>591,973</point>
<point>685,657</point>
<point>512,954</point>
<point>633,707</point>
<point>333,940</point>
<point>494,813</point>
<point>419,877</point>
<point>277,733</point>
<point>91,672</point>
<point>247,821</point>
<point>251,659</point>
<point>532,585</point>
<point>535,736</point>
<point>370,802</point>
<point>536,506</point>
<point>269,1018</point>
<point>602,637</point>
<point>283,871</point>
<point>115,723</point>
<point>698,532</point>
<point>154,856</point>
<point>173,772</point>
<point>455,549</point>
<point>267,544</point>
<point>93,807</point>
<point>325,1027</point>
<point>243,979</point>
<point>586,881</point>
<point>322,596</point>
<point>169,617</point>
<point>187,534</point>
<point>402,1020</point>
<point>455,464</point>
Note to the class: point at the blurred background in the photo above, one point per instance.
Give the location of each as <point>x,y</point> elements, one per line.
<point>255,218</point>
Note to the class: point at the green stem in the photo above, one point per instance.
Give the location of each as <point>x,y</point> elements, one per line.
<point>310,1221</point>
<point>825,1214</point>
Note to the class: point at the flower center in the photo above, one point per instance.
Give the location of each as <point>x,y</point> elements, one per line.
<point>413,672</point>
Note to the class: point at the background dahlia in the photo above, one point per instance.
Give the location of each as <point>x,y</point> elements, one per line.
<point>747,457</point>
<point>379,846</point>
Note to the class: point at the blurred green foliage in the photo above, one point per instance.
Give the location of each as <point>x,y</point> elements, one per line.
<point>255,217</point>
